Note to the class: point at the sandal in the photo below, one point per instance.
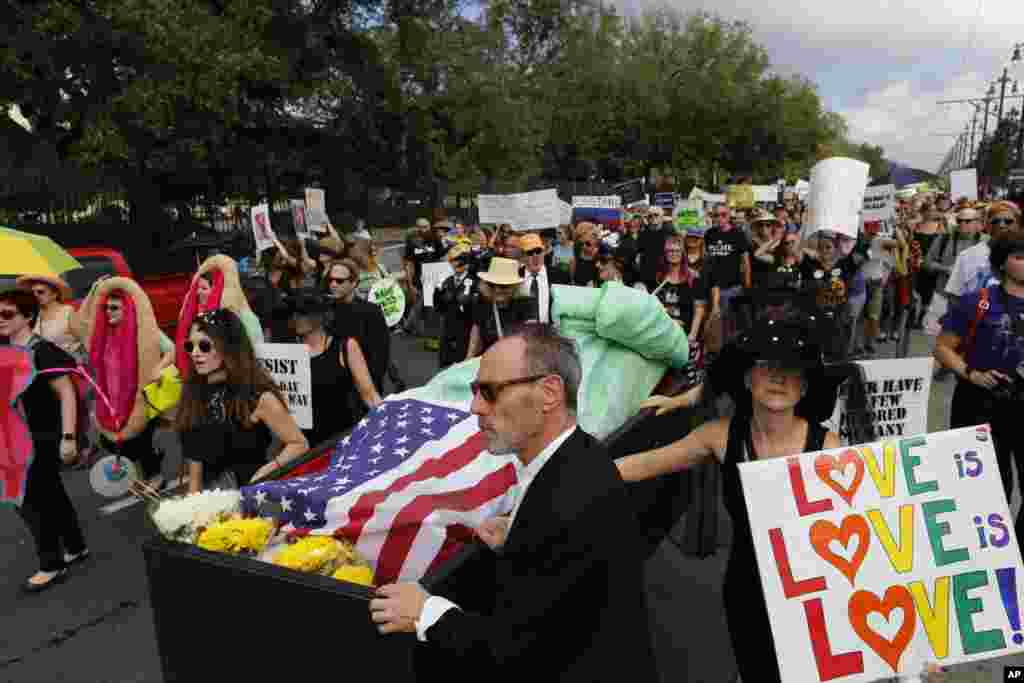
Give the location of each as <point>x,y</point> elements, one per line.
<point>56,577</point>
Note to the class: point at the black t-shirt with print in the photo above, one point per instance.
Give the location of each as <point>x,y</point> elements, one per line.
<point>42,407</point>
<point>680,299</point>
<point>419,252</point>
<point>723,256</point>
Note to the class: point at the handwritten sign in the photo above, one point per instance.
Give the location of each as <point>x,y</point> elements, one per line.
<point>288,365</point>
<point>523,211</point>
<point>262,231</point>
<point>600,202</point>
<point>879,558</point>
<point>433,275</point>
<point>836,198</point>
<point>665,200</point>
<point>897,399</point>
<point>316,210</point>
<point>964,183</point>
<point>388,294</point>
<point>299,217</point>
<point>740,196</point>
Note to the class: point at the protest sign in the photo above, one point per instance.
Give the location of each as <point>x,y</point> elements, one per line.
<point>740,196</point>
<point>608,218</point>
<point>316,210</point>
<point>897,399</point>
<point>261,228</point>
<point>433,275</point>
<point>597,202</point>
<point>880,203</point>
<point>299,217</point>
<point>288,365</point>
<point>523,211</point>
<point>565,213</point>
<point>964,183</point>
<point>766,194</point>
<point>631,191</point>
<point>388,294</point>
<point>689,213</point>
<point>665,200</point>
<point>836,198</point>
<point>879,558</point>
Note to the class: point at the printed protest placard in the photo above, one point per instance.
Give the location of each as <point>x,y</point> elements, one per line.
<point>299,217</point>
<point>964,183</point>
<point>316,210</point>
<point>433,275</point>
<point>879,203</point>
<point>665,200</point>
<point>836,197</point>
<point>689,213</point>
<point>740,196</point>
<point>897,399</point>
<point>262,231</point>
<point>766,194</point>
<point>878,558</point>
<point>388,294</point>
<point>523,211</point>
<point>597,202</point>
<point>288,364</point>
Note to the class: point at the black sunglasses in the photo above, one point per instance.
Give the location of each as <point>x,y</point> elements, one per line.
<point>338,280</point>
<point>534,252</point>
<point>489,391</point>
<point>205,346</point>
<point>1002,221</point>
<point>8,315</point>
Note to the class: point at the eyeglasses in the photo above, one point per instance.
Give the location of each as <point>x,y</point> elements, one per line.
<point>337,280</point>
<point>534,252</point>
<point>8,315</point>
<point>113,308</point>
<point>490,391</point>
<point>39,292</point>
<point>205,346</point>
<point>1002,221</point>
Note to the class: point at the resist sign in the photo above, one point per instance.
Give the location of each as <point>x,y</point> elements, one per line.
<point>876,559</point>
<point>288,365</point>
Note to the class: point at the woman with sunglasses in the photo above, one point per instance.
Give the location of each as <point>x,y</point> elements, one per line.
<point>47,407</point>
<point>584,268</point>
<point>972,269</point>
<point>230,409</point>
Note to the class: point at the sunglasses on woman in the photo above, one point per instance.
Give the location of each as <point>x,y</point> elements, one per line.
<point>205,346</point>
<point>534,252</point>
<point>490,391</point>
<point>337,280</point>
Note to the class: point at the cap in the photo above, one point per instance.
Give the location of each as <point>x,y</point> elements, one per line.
<point>531,240</point>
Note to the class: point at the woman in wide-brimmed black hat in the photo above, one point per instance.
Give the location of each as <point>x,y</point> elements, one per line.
<point>782,392</point>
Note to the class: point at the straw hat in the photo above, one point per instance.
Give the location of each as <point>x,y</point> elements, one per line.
<point>502,271</point>
<point>25,282</point>
<point>422,223</point>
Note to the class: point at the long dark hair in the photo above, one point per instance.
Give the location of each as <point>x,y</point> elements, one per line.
<point>684,264</point>
<point>247,381</point>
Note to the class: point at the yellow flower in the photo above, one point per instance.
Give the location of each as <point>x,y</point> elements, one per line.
<point>309,554</point>
<point>355,574</point>
<point>236,535</point>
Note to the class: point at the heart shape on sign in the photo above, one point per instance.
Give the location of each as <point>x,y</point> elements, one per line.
<point>862,603</point>
<point>825,465</point>
<point>824,532</point>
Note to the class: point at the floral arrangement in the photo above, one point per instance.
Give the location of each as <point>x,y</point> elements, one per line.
<point>325,555</point>
<point>237,535</point>
<point>183,518</point>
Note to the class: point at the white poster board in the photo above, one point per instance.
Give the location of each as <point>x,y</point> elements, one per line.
<point>877,559</point>
<point>880,206</point>
<point>836,196</point>
<point>288,364</point>
<point>316,210</point>
<point>613,201</point>
<point>523,211</point>
<point>299,217</point>
<point>565,213</point>
<point>433,275</point>
<point>766,194</point>
<point>262,231</point>
<point>897,398</point>
<point>964,183</point>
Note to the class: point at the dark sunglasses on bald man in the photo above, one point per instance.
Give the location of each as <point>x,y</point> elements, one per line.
<point>490,391</point>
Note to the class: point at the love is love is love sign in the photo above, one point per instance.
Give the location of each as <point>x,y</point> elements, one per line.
<point>879,558</point>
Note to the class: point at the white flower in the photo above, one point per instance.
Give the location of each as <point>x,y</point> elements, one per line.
<point>177,517</point>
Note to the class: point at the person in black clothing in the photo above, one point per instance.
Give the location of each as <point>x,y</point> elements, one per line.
<point>423,246</point>
<point>629,251</point>
<point>357,319</point>
<point>584,271</point>
<point>454,302</point>
<point>652,243</point>
<point>498,309</point>
<point>48,405</point>
<point>727,268</point>
<point>538,279</point>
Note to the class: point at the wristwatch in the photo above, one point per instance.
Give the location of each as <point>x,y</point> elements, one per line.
<point>67,437</point>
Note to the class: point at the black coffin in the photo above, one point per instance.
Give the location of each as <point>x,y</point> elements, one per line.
<point>209,606</point>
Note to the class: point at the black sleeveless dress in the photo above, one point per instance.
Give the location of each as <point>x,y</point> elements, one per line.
<point>333,394</point>
<point>745,609</point>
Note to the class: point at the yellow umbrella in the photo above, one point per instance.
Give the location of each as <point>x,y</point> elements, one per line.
<point>25,253</point>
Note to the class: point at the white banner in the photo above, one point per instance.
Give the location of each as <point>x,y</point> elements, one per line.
<point>299,217</point>
<point>288,364</point>
<point>565,213</point>
<point>433,275</point>
<point>964,183</point>
<point>613,201</point>
<point>316,210</point>
<point>262,231</point>
<point>836,197</point>
<point>897,398</point>
<point>766,194</point>
<point>879,558</point>
<point>523,211</point>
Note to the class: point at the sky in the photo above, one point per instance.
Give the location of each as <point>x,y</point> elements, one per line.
<point>885,65</point>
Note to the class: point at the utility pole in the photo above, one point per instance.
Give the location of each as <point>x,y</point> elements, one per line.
<point>974,124</point>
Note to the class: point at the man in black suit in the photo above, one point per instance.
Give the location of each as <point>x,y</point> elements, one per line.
<point>569,602</point>
<point>538,278</point>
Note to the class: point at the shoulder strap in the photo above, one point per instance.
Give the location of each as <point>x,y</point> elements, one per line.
<point>972,327</point>
<point>815,437</point>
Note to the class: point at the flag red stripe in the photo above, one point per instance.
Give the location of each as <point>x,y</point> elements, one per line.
<point>456,536</point>
<point>438,468</point>
<point>407,523</point>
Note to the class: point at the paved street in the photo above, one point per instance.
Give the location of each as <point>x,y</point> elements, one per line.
<point>98,626</point>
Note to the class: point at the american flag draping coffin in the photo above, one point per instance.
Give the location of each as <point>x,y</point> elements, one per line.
<point>407,486</point>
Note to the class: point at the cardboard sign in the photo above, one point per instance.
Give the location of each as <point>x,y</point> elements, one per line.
<point>262,231</point>
<point>523,211</point>
<point>565,213</point>
<point>288,364</point>
<point>299,217</point>
<point>964,183</point>
<point>316,210</point>
<point>388,294</point>
<point>433,275</point>
<point>836,197</point>
<point>897,399</point>
<point>740,196</point>
<point>601,202</point>
<point>877,559</point>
